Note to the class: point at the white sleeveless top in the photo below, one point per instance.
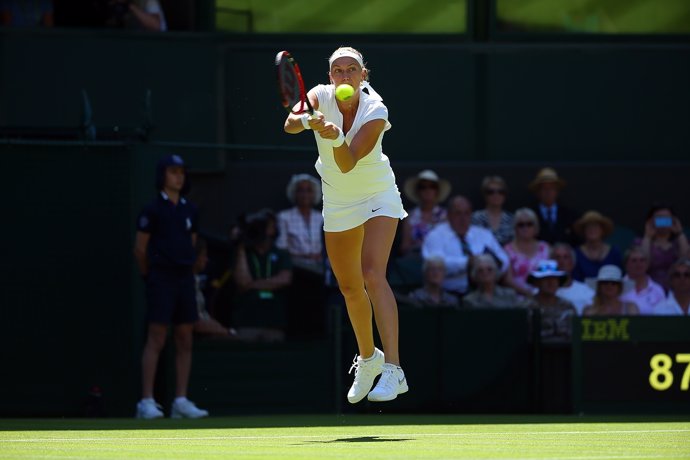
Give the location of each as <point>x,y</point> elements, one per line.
<point>372,174</point>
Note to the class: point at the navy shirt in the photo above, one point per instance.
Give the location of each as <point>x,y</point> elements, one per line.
<point>170,228</point>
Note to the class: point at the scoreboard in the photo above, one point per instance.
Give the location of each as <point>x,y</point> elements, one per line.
<point>631,364</point>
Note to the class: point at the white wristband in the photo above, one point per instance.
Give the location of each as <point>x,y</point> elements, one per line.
<point>339,141</point>
<point>305,120</point>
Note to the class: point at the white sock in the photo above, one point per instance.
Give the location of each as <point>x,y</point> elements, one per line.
<point>371,357</point>
<point>180,399</point>
<point>151,400</point>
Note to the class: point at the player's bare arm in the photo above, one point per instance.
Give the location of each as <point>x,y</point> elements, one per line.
<point>347,156</point>
<point>293,122</point>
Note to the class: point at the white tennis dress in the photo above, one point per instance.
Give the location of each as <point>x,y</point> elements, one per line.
<point>369,189</point>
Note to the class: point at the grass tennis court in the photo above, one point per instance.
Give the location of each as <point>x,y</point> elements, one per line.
<point>351,436</point>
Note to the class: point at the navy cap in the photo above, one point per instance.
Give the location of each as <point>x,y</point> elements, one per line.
<point>163,164</point>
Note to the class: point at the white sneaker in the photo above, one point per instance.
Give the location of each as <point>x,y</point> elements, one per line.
<point>187,409</point>
<point>391,384</point>
<point>149,409</point>
<point>366,371</point>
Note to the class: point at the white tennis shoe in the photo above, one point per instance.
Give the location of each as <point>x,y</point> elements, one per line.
<point>366,371</point>
<point>391,384</point>
<point>149,409</point>
<point>187,409</point>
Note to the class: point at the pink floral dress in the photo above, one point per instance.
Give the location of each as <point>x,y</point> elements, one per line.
<point>521,265</point>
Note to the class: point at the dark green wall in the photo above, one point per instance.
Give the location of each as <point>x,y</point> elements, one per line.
<point>447,100</point>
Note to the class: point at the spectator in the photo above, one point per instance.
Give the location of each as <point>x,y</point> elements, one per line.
<point>488,294</point>
<point>678,300</point>
<point>556,312</point>
<point>594,253</point>
<point>164,248</point>
<point>300,228</point>
<point>664,242</point>
<point>609,286</point>
<point>206,325</point>
<point>456,241</point>
<point>555,220</point>
<point>262,272</point>
<point>432,293</point>
<point>26,14</point>
<point>137,14</point>
<point>494,217</point>
<point>525,251</point>
<point>578,293</point>
<point>646,294</point>
<point>427,191</point>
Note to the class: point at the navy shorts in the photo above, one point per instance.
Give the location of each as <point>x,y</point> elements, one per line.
<point>171,296</point>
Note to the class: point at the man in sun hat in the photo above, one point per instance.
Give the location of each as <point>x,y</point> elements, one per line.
<point>556,312</point>
<point>555,220</point>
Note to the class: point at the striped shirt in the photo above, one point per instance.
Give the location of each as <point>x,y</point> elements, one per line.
<point>505,231</point>
<point>297,236</point>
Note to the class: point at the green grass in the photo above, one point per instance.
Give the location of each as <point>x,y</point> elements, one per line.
<point>351,436</point>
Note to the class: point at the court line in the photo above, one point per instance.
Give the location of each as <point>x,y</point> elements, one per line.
<point>340,435</point>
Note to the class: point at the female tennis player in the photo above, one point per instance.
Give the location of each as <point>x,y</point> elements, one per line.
<point>361,208</point>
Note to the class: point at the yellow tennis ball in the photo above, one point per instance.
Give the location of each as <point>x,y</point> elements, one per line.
<point>344,92</point>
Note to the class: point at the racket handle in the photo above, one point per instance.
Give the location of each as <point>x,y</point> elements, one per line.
<point>315,115</point>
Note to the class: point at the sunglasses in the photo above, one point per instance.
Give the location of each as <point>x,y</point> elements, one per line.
<point>524,224</point>
<point>303,190</point>
<point>680,275</point>
<point>427,186</point>
<point>494,191</point>
<point>609,282</point>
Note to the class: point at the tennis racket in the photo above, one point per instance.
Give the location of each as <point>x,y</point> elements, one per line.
<point>291,86</point>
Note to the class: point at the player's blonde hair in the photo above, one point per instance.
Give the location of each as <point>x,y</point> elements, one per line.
<point>349,49</point>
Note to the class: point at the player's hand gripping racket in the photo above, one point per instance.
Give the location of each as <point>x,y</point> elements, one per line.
<point>291,86</point>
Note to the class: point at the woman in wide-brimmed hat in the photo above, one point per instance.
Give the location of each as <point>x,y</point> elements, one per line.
<point>609,285</point>
<point>427,190</point>
<point>593,227</point>
<point>556,312</point>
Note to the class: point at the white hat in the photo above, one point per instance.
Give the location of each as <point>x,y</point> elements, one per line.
<point>296,179</point>
<point>431,176</point>
<point>547,269</point>
<point>610,273</point>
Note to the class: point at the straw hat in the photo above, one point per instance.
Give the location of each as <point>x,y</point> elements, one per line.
<point>610,273</point>
<point>547,269</point>
<point>593,217</point>
<point>546,176</point>
<point>296,179</point>
<point>410,187</point>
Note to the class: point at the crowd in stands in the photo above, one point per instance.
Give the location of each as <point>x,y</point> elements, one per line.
<point>545,256</point>
<point>144,15</point>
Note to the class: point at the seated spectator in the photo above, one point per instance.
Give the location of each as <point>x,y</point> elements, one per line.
<point>25,14</point>
<point>664,242</point>
<point>646,294</point>
<point>556,312</point>
<point>262,272</point>
<point>609,286</point>
<point>678,300</point>
<point>494,217</point>
<point>578,293</point>
<point>555,220</point>
<point>300,228</point>
<point>206,325</point>
<point>427,191</point>
<point>594,253</point>
<point>456,241</point>
<point>488,294</point>
<point>525,251</point>
<point>432,293</point>
<point>137,14</point>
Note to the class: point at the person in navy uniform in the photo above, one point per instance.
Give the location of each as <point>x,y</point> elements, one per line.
<point>164,248</point>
